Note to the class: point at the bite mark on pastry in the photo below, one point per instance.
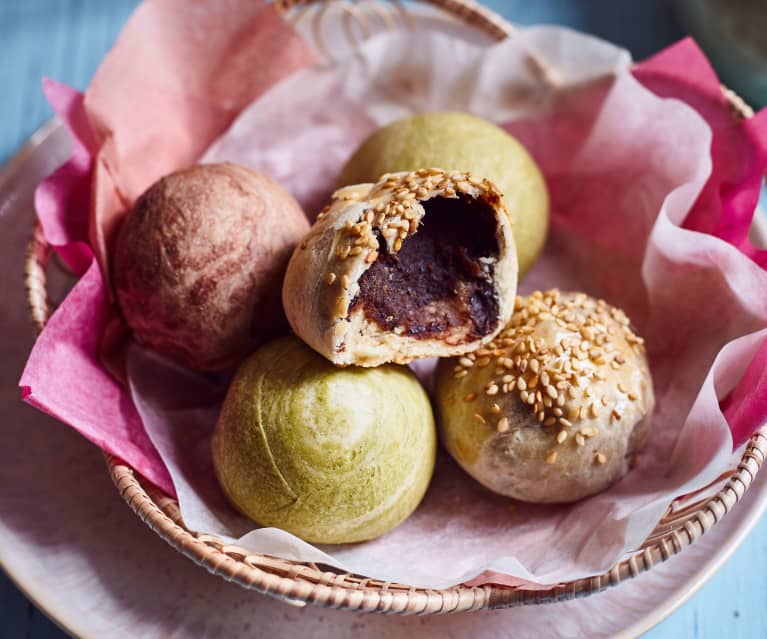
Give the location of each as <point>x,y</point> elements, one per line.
<point>441,279</point>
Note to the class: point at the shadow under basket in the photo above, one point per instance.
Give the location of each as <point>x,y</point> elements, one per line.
<point>309,583</point>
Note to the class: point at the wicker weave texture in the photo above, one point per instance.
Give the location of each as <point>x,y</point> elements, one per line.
<point>306,583</point>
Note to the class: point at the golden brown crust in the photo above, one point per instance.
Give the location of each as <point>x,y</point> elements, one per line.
<point>202,249</point>
<point>555,407</point>
<point>323,276</point>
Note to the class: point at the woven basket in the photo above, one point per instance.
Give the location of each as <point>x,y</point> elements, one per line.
<point>308,583</point>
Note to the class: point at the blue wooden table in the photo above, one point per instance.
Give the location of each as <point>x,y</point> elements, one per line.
<point>65,39</point>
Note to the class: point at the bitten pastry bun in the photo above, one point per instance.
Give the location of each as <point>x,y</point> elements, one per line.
<point>332,455</point>
<point>554,409</point>
<point>420,264</point>
<point>199,262</point>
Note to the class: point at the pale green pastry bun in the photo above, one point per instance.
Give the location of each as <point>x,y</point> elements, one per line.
<point>462,142</point>
<point>332,455</point>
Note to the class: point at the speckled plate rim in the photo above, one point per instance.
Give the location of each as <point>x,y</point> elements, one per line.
<point>699,579</point>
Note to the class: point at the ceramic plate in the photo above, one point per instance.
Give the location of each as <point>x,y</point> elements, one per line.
<point>78,552</point>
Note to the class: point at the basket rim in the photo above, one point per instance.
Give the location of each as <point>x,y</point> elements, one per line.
<point>303,583</point>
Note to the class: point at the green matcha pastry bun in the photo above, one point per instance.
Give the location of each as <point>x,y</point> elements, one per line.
<point>462,142</point>
<point>332,455</point>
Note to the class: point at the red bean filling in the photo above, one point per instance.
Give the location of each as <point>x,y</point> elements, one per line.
<point>436,283</point>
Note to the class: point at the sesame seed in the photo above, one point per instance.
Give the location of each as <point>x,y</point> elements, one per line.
<point>551,457</point>
<point>600,458</point>
<point>461,373</point>
<point>633,396</point>
<point>551,391</point>
<point>549,421</point>
<point>483,361</point>
<point>465,361</point>
<point>492,390</point>
<point>579,439</point>
<point>616,414</point>
<point>479,418</point>
<point>503,425</point>
<point>345,282</point>
<point>554,379</point>
<point>331,278</point>
<point>495,409</point>
<point>565,422</point>
<point>561,436</point>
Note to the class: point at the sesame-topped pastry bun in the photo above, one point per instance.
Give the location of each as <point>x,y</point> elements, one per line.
<point>420,264</point>
<point>555,407</point>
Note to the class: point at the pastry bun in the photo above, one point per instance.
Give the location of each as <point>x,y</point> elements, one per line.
<point>199,260</point>
<point>555,407</point>
<point>420,264</point>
